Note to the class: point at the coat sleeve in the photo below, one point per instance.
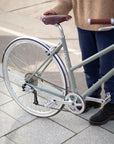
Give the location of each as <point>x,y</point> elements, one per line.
<point>63,7</point>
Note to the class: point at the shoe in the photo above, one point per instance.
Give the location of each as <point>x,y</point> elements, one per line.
<point>103,116</point>
<point>90,104</point>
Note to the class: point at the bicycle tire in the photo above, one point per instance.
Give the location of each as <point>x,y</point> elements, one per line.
<point>21,58</point>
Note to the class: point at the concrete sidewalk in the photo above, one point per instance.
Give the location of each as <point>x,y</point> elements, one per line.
<point>20,18</point>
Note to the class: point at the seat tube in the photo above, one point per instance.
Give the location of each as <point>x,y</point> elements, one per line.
<point>67,58</point>
<point>68,62</point>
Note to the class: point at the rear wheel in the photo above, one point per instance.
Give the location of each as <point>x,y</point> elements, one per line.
<point>34,93</point>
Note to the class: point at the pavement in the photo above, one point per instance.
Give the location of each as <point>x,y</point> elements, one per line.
<point>22,18</point>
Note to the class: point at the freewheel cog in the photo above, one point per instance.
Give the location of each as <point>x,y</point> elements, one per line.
<point>77,104</point>
<point>33,80</point>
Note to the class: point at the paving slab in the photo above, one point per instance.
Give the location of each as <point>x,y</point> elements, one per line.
<point>88,114</point>
<point>42,131</point>
<point>35,10</point>
<point>1,79</point>
<point>109,126</point>
<point>17,112</point>
<point>5,39</point>
<point>3,88</point>
<point>92,135</point>
<point>7,124</point>
<point>34,26</point>
<point>5,140</point>
<point>15,5</point>
<point>4,99</point>
<point>71,121</point>
<point>28,18</point>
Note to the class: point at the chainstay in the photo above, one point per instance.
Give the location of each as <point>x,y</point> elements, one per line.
<point>43,80</point>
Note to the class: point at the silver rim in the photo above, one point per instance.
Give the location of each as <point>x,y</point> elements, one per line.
<point>15,66</point>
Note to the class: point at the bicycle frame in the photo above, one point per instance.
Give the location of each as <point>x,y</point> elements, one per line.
<point>90,59</point>
<point>73,68</point>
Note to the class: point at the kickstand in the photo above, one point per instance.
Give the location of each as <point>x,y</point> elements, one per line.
<point>35,97</point>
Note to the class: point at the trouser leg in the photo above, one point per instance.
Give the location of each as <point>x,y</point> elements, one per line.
<point>103,40</point>
<point>88,48</point>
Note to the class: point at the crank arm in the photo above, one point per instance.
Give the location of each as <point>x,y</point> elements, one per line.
<point>64,102</point>
<point>103,101</point>
<point>68,103</point>
<point>98,100</point>
<point>53,102</point>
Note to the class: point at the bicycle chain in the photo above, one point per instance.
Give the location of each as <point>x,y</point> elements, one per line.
<point>55,108</point>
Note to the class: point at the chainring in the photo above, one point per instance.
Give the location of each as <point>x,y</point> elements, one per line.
<point>77,105</point>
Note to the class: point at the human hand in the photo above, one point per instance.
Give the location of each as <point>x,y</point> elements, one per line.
<point>50,12</point>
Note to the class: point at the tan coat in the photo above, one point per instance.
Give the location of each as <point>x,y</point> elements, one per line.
<point>85,9</point>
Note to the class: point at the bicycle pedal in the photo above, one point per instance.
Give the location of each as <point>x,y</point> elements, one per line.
<point>106,99</point>
<point>50,103</point>
<point>27,89</point>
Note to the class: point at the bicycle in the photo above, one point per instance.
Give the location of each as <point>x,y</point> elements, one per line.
<point>37,78</point>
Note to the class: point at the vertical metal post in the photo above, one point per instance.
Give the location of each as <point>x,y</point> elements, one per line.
<point>67,58</point>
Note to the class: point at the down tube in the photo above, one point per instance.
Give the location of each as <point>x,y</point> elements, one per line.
<point>97,84</point>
